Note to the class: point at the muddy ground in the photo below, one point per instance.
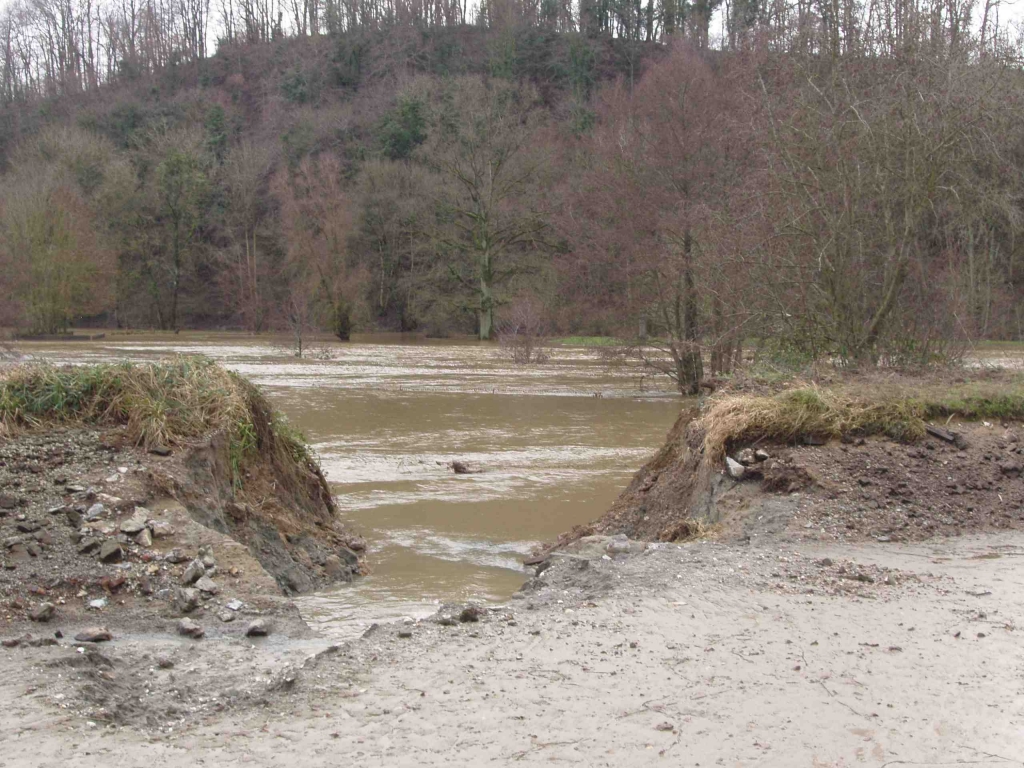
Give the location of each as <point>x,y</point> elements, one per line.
<point>680,654</point>
<point>825,621</point>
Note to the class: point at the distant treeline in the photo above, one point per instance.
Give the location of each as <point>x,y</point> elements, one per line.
<point>839,179</point>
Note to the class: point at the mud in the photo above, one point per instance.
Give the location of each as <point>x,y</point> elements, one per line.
<point>681,654</point>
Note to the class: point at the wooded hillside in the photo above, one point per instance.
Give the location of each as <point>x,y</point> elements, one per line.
<point>834,178</point>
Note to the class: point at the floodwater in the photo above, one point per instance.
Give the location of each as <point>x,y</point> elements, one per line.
<point>552,445</point>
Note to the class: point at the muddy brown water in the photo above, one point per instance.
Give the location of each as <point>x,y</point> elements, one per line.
<point>553,444</point>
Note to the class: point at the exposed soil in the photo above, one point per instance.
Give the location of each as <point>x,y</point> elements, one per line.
<point>847,490</point>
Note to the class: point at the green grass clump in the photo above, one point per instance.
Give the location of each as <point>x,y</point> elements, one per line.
<point>157,403</point>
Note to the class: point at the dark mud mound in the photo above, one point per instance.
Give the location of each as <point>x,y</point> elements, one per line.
<point>809,463</point>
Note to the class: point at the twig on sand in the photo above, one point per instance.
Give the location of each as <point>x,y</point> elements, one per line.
<point>840,701</point>
<point>538,747</point>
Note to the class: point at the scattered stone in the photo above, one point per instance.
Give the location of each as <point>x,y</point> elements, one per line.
<point>206,557</point>
<point>176,556</point>
<point>348,557</point>
<point>762,455</point>
<point>226,616</point>
<point>735,469</point>
<point>74,518</point>
<point>89,545</point>
<point>257,628</point>
<point>194,572</point>
<point>144,538</point>
<point>186,600</point>
<point>29,526</point>
<point>664,727</point>
<point>8,501</point>
<point>405,633</point>
<point>207,585</point>
<point>42,612</point>
<point>470,613</point>
<point>98,604</point>
<point>136,523</point>
<point>235,605</point>
<point>746,457</point>
<point>161,529</point>
<point>94,635</point>
<point>618,545</point>
<point>189,628</point>
<point>111,551</point>
<point>336,570</point>
<point>94,512</point>
<point>75,489</point>
<point>160,450</point>
<point>164,663</point>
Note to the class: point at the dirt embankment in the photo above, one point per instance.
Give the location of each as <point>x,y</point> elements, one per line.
<point>840,465</point>
<point>167,495</point>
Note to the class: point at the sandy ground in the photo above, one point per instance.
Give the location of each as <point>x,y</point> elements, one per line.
<point>694,654</point>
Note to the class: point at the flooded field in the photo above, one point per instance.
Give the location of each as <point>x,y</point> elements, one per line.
<point>553,445</point>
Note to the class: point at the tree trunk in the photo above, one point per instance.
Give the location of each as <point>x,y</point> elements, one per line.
<point>486,297</point>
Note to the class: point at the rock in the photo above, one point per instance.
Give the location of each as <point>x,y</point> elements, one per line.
<point>1011,468</point>
<point>470,613</point>
<point>75,489</point>
<point>164,663</point>
<point>189,628</point>
<point>136,523</point>
<point>98,604</point>
<point>235,605</point>
<point>160,450</point>
<point>226,616</point>
<point>746,457</point>
<point>762,455</point>
<point>460,468</point>
<point>94,635</point>
<point>348,557</point>
<point>207,585</point>
<point>161,529</point>
<point>186,600</point>
<point>193,573</point>
<point>295,580</point>
<point>29,526</point>
<point>94,512</point>
<point>735,469</point>
<point>405,634</point>
<point>176,556</point>
<point>336,570</point>
<point>42,612</point>
<point>89,545</point>
<point>74,519</point>
<point>358,544</point>
<point>144,538</point>
<point>206,557</point>
<point>111,552</point>
<point>8,501</point>
<point>257,628</point>
<point>618,545</point>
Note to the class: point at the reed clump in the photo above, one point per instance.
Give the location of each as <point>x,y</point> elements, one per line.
<point>160,403</point>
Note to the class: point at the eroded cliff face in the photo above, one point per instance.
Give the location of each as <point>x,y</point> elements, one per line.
<point>279,507</point>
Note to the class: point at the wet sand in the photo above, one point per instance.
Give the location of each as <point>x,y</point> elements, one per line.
<point>695,654</point>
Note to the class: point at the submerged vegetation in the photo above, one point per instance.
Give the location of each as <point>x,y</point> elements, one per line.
<point>158,404</point>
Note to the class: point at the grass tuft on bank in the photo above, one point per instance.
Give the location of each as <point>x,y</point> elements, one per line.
<point>898,411</point>
<point>164,403</point>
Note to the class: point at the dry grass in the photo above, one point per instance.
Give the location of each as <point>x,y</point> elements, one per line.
<point>157,403</point>
<point>898,411</point>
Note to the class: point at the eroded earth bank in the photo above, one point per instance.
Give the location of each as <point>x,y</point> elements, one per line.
<point>836,594</point>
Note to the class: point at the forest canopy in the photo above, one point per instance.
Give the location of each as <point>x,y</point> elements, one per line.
<point>840,179</point>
